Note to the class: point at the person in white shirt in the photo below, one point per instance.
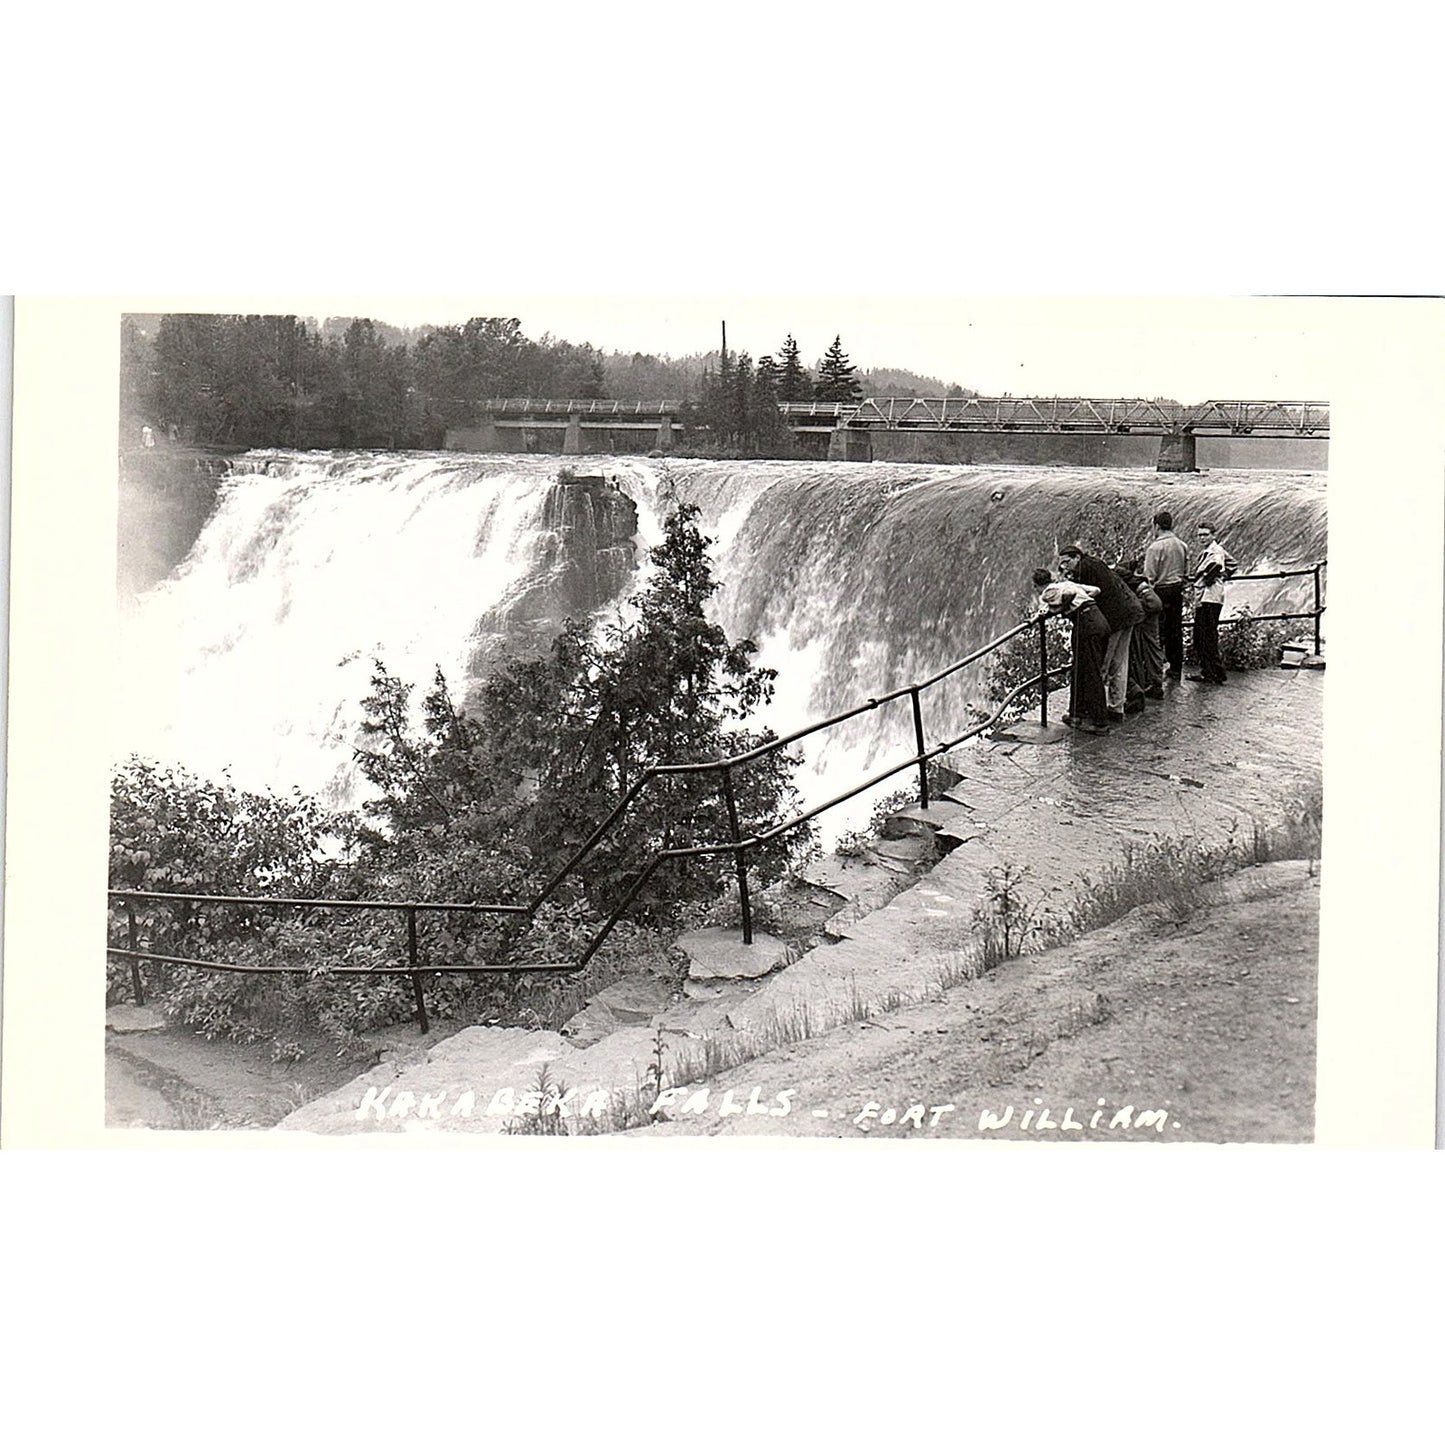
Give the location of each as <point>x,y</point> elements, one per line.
<point>1166,564</point>
<point>1088,706</point>
<point>1214,567</point>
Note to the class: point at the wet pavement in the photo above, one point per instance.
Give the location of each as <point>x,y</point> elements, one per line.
<point>1209,771</point>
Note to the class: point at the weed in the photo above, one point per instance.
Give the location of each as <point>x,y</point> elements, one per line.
<point>195,1110</point>
<point>1010,917</point>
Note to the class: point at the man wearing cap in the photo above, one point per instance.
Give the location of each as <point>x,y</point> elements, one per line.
<point>1166,562</point>
<point>1121,610</point>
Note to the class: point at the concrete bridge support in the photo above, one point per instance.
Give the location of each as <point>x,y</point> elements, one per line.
<point>1176,452</point>
<point>572,442</point>
<point>664,434</point>
<point>850,444</point>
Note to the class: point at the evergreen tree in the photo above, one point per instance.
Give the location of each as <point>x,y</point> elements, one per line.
<point>768,435</point>
<point>740,409</point>
<point>716,406</point>
<point>556,742</point>
<point>794,383</point>
<point>836,379</point>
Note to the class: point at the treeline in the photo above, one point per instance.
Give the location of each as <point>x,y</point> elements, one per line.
<point>354,382</point>
<point>285,381</point>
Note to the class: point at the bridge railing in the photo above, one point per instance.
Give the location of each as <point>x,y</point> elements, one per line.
<point>722,770</point>
<point>527,406</point>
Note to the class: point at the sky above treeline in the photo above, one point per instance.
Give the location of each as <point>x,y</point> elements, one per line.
<point>1190,349</point>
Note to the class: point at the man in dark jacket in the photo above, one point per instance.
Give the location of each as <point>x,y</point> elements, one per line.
<point>1122,611</point>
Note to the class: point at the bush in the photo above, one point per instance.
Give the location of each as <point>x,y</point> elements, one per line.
<point>1253,642</point>
<point>1017,662</point>
<point>172,832</point>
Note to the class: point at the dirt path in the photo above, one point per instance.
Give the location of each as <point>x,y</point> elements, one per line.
<point>1205,1019</point>
<point>172,1079</point>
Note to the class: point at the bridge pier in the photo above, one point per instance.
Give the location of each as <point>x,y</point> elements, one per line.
<point>572,442</point>
<point>664,435</point>
<point>1176,452</point>
<point>850,444</point>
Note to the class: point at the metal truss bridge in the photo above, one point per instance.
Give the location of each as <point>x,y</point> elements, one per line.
<point>1083,415</point>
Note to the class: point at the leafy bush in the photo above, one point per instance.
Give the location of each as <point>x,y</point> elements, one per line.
<point>1017,662</point>
<point>172,832</point>
<point>1253,642</point>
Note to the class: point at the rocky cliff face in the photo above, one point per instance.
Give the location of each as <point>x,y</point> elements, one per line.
<point>584,555</point>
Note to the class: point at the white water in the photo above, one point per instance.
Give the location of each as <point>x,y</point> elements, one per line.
<point>255,655</point>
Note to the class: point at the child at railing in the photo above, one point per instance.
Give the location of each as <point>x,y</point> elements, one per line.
<point>1088,708</point>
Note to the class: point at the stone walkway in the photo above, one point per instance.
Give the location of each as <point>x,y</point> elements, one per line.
<point>1208,769</point>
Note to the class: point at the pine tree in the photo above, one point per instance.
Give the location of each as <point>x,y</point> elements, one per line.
<point>794,383</point>
<point>836,379</point>
<point>555,742</point>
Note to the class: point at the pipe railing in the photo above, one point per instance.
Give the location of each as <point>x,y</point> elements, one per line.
<point>416,969</point>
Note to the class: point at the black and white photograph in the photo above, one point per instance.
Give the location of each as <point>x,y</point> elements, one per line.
<point>727,718</point>
<point>755,728</point>
<point>721,721</point>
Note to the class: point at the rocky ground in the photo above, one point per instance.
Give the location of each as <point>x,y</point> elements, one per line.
<point>1180,1023</point>
<point>1198,1002</point>
<point>1201,1014</point>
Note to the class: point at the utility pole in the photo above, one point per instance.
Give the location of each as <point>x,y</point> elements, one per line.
<point>725,342</point>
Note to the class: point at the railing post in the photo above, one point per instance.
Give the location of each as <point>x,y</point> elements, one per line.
<point>1043,673</point>
<point>742,868</point>
<point>1317,609</point>
<point>411,950</point>
<point>135,983</point>
<point>918,738</point>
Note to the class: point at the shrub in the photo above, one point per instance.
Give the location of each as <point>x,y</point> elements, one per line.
<point>1017,662</point>
<point>1253,642</point>
<point>172,832</point>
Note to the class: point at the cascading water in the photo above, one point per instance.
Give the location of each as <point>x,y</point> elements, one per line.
<point>853,579</point>
<point>255,654</point>
<point>856,580</point>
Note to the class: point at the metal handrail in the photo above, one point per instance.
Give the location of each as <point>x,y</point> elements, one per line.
<point>737,845</point>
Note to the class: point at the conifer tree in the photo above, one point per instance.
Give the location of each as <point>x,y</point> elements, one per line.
<point>794,383</point>
<point>554,743</point>
<point>836,379</point>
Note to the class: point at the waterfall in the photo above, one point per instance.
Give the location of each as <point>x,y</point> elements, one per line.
<point>255,655</point>
<point>854,579</point>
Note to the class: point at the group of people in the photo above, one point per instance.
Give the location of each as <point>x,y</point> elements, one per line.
<point>1129,621</point>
